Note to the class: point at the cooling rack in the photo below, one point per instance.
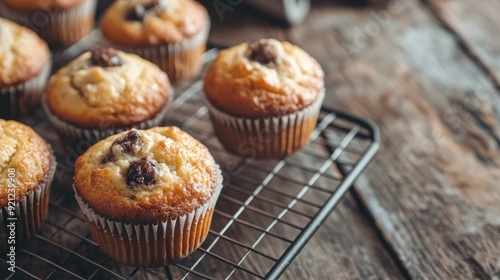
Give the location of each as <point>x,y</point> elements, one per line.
<point>267,211</point>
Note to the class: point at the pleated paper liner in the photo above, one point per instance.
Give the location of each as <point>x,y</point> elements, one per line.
<point>60,28</point>
<point>269,137</point>
<point>82,138</point>
<point>155,244</point>
<point>181,61</point>
<point>22,98</point>
<point>30,212</point>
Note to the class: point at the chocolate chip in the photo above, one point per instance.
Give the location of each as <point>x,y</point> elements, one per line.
<point>130,143</point>
<point>138,12</point>
<point>263,52</point>
<point>142,173</point>
<point>106,57</point>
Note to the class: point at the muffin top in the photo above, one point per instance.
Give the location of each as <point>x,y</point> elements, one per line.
<point>42,5</point>
<point>152,22</point>
<point>146,176</point>
<point>263,78</point>
<point>107,87</point>
<point>23,55</point>
<point>26,155</point>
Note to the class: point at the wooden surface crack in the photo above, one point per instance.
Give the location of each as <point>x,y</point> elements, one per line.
<point>438,10</point>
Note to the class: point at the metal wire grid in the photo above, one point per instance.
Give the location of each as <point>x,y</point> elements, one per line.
<point>266,213</point>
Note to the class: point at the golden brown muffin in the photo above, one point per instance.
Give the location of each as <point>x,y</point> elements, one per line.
<point>59,22</point>
<point>107,86</point>
<point>171,34</point>
<point>24,68</point>
<point>23,55</point>
<point>161,176</point>
<point>266,78</point>
<point>27,167</point>
<point>264,98</point>
<point>147,22</point>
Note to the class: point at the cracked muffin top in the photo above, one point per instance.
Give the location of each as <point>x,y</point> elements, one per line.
<point>264,78</point>
<point>153,22</point>
<point>42,5</point>
<point>23,55</point>
<point>108,87</point>
<point>24,151</point>
<point>146,176</point>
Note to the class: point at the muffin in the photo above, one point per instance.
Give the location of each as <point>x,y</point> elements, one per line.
<point>60,22</point>
<point>28,166</point>
<point>171,33</point>
<point>24,68</point>
<point>104,92</point>
<point>264,98</point>
<point>148,195</point>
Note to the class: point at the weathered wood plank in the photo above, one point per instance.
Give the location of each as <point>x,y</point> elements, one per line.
<point>477,25</point>
<point>434,187</point>
<point>345,247</point>
<point>433,190</point>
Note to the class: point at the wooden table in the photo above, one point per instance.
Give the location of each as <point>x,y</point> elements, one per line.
<point>427,72</point>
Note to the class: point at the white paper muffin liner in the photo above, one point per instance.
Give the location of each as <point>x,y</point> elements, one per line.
<point>269,137</point>
<point>22,98</point>
<point>61,28</point>
<point>30,212</point>
<point>180,61</point>
<point>151,245</point>
<point>77,136</point>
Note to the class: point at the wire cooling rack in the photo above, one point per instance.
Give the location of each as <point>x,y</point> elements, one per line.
<point>267,211</point>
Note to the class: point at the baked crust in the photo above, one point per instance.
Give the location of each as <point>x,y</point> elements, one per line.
<point>181,20</point>
<point>186,177</point>
<point>23,55</point>
<point>244,88</point>
<point>91,96</point>
<point>42,5</point>
<point>24,150</point>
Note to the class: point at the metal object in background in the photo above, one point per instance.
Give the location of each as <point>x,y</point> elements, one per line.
<point>266,213</point>
<point>289,11</point>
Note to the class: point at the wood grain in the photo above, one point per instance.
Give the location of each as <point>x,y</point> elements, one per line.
<point>477,27</point>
